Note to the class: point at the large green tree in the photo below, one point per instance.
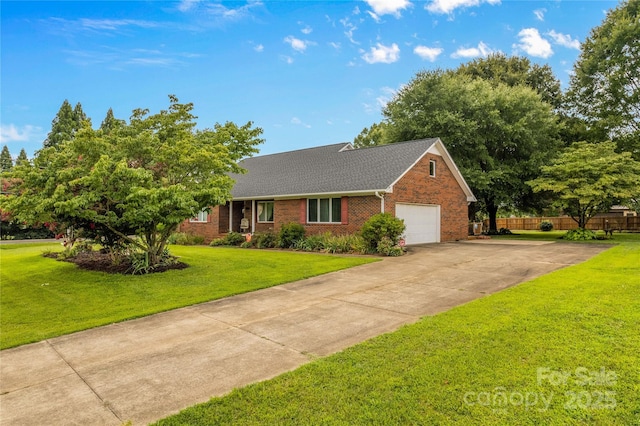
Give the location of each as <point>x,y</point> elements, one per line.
<point>67,122</point>
<point>516,71</point>
<point>6,162</point>
<point>588,178</point>
<point>22,157</point>
<point>110,122</point>
<point>498,135</point>
<point>144,178</point>
<point>605,86</point>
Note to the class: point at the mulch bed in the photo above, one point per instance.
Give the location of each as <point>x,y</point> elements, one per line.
<point>97,261</point>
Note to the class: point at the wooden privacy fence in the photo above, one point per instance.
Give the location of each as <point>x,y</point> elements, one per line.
<point>624,223</point>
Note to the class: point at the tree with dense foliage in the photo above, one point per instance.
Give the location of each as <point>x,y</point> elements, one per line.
<point>516,71</point>
<point>588,178</point>
<point>67,122</point>
<point>110,122</point>
<point>62,126</point>
<point>371,136</point>
<point>6,161</point>
<point>605,85</point>
<point>498,135</point>
<point>141,179</point>
<point>22,157</point>
<point>79,118</point>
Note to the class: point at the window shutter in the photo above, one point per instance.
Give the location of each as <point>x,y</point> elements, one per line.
<point>303,211</point>
<point>345,210</point>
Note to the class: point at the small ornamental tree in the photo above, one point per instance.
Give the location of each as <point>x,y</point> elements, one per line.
<point>587,179</point>
<point>136,183</point>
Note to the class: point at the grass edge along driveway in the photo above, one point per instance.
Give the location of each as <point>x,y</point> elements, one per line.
<point>560,349</point>
<point>42,298</point>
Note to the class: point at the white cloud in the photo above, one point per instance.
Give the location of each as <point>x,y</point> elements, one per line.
<point>382,54</point>
<point>120,58</point>
<point>473,52</point>
<point>297,44</point>
<point>162,62</point>
<point>540,13</point>
<point>383,99</point>
<point>533,44</point>
<point>564,40</point>
<point>448,6</point>
<point>297,121</point>
<point>11,133</point>
<point>287,59</point>
<point>186,5</point>
<point>376,100</point>
<point>335,45</point>
<point>307,30</point>
<point>374,16</point>
<point>430,53</point>
<point>230,14</point>
<point>114,24</point>
<point>388,7</point>
<point>258,48</point>
<point>349,29</point>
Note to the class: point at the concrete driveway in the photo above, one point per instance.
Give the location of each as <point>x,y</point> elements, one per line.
<point>143,370</point>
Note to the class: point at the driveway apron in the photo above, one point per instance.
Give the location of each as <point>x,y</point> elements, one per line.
<point>146,369</point>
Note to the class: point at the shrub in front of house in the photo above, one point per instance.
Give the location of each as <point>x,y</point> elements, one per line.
<point>185,239</point>
<point>546,226</point>
<point>316,242</point>
<point>290,234</point>
<point>231,239</point>
<point>264,240</point>
<point>387,248</point>
<point>579,234</point>
<point>345,244</point>
<point>380,226</point>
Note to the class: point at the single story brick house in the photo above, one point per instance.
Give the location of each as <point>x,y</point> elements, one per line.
<point>337,188</point>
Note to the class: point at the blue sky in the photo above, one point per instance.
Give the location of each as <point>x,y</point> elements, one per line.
<point>308,73</point>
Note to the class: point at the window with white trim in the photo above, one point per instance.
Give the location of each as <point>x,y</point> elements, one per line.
<point>324,210</point>
<point>202,216</point>
<point>265,211</point>
<point>432,168</point>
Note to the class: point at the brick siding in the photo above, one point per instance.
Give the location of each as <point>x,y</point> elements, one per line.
<point>209,229</point>
<point>419,188</point>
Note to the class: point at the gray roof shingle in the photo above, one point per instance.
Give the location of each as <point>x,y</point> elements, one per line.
<point>336,168</point>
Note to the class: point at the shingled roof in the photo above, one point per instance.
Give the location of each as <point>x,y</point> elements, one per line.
<point>330,169</point>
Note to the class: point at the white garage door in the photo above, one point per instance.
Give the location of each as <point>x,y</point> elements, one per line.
<point>422,222</point>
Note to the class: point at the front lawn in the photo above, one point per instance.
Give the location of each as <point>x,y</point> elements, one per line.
<point>561,349</point>
<point>42,298</point>
<point>618,237</point>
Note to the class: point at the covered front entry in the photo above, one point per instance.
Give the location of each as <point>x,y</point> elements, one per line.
<point>422,222</point>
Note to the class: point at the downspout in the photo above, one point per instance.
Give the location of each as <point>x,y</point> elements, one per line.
<point>253,215</point>
<point>377,194</point>
<point>230,215</point>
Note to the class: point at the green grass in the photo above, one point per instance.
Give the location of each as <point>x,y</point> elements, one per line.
<point>618,237</point>
<point>42,298</point>
<point>575,321</point>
